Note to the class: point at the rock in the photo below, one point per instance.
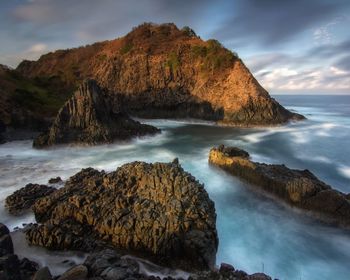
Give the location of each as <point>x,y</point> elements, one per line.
<point>55,180</point>
<point>160,71</point>
<point>22,199</point>
<point>300,188</point>
<point>259,276</point>
<point>3,230</point>
<point>110,265</point>
<point>43,274</point>
<point>156,210</point>
<point>78,272</point>
<point>89,118</point>
<point>6,246</point>
<point>11,268</point>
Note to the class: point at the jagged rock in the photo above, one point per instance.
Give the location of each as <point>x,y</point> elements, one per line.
<point>227,272</point>
<point>161,71</point>
<point>55,180</point>
<point>25,197</point>
<point>300,188</point>
<point>11,268</point>
<point>155,210</point>
<point>109,265</point>
<point>89,118</point>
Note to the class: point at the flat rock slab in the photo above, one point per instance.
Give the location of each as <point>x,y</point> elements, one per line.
<point>299,188</point>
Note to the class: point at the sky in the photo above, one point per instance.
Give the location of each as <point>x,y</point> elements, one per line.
<point>299,46</point>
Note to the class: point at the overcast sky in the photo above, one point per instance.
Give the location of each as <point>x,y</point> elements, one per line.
<point>291,46</point>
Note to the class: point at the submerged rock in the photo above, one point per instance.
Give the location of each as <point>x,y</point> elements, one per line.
<point>22,199</point>
<point>88,117</point>
<point>155,210</point>
<point>299,188</point>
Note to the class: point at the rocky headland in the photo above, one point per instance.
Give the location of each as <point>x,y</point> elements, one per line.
<point>161,71</point>
<point>89,117</point>
<point>299,188</point>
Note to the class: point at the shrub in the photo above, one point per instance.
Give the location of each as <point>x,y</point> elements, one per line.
<point>173,61</point>
<point>126,48</point>
<point>188,31</point>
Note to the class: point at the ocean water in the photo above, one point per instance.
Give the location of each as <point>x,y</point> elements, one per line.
<point>256,232</point>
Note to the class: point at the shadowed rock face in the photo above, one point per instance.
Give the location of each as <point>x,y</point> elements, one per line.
<point>156,210</point>
<point>299,188</point>
<point>11,267</point>
<point>163,72</point>
<point>89,118</point>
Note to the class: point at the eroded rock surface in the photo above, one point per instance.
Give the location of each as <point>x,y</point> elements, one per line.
<point>299,188</point>
<point>156,210</point>
<point>88,117</point>
<point>22,199</point>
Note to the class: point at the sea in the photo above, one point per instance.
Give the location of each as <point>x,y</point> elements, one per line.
<point>256,232</point>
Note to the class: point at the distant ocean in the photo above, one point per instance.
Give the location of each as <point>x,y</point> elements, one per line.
<point>255,232</point>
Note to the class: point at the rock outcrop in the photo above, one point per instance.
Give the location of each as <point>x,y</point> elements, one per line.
<point>11,267</point>
<point>164,72</point>
<point>153,210</point>
<point>89,118</point>
<point>299,188</point>
<point>22,199</point>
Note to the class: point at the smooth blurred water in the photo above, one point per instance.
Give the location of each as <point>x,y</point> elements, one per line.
<point>256,233</point>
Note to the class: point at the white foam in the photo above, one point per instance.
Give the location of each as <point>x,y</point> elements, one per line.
<point>345,171</point>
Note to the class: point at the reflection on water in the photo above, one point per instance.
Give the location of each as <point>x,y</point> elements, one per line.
<point>255,232</point>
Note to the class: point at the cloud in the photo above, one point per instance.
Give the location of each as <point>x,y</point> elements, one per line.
<point>344,62</point>
<point>274,22</point>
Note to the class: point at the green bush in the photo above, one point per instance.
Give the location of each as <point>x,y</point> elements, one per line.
<point>126,48</point>
<point>214,56</point>
<point>173,61</point>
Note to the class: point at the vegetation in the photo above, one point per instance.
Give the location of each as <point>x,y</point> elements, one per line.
<point>189,31</point>
<point>173,61</point>
<point>126,48</point>
<point>214,56</point>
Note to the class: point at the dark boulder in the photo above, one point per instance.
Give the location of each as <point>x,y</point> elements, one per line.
<point>55,180</point>
<point>90,117</point>
<point>12,268</point>
<point>299,188</point>
<point>155,210</point>
<point>22,199</point>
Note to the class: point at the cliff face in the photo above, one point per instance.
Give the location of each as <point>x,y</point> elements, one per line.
<point>161,71</point>
<point>88,117</point>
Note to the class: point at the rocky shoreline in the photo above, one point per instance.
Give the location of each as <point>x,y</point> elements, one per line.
<point>156,211</point>
<point>299,188</point>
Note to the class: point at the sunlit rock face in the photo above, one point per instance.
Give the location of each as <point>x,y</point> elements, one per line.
<point>156,210</point>
<point>164,72</point>
<point>299,188</point>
